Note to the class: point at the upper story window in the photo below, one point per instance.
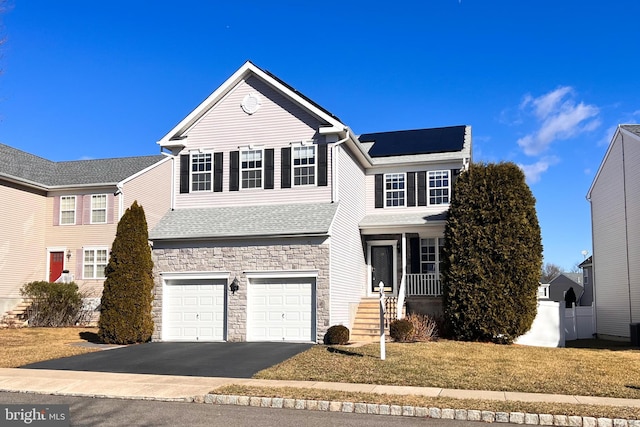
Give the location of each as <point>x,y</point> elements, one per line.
<point>201,171</point>
<point>94,261</point>
<point>395,191</point>
<point>439,187</point>
<point>67,210</point>
<point>585,276</point>
<point>99,209</point>
<point>304,165</point>
<point>431,255</point>
<point>251,168</point>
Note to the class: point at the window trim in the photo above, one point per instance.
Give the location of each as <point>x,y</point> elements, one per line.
<point>429,187</point>
<point>95,264</point>
<point>386,191</point>
<point>298,146</point>
<point>209,172</point>
<point>106,209</point>
<point>439,244</point>
<point>75,210</point>
<point>241,169</point>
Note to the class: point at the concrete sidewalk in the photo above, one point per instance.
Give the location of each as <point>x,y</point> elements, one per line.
<point>187,388</point>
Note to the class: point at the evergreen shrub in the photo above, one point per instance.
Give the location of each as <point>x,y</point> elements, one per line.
<point>337,335</point>
<point>127,296</point>
<point>492,256</point>
<point>401,330</point>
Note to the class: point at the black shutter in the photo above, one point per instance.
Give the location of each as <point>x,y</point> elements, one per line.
<point>455,173</point>
<point>184,173</point>
<point>411,188</point>
<point>379,198</point>
<point>285,168</point>
<point>268,168</point>
<point>414,251</point>
<point>422,189</point>
<point>234,171</point>
<point>217,172</point>
<point>322,165</point>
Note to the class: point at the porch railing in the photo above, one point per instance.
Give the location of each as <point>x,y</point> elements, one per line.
<point>425,285</point>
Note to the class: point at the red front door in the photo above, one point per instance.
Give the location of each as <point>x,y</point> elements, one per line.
<point>56,265</point>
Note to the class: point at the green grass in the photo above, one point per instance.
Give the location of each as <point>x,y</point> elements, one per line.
<point>474,366</point>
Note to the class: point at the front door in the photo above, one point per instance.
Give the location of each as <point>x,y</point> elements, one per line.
<point>382,268</point>
<point>56,265</point>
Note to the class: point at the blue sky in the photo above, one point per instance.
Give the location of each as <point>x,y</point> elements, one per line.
<point>542,83</point>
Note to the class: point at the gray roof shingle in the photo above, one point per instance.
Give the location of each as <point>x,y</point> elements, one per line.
<point>632,128</point>
<point>27,167</point>
<point>245,221</point>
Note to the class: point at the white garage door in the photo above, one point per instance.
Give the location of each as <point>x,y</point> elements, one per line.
<point>193,310</point>
<point>281,310</point>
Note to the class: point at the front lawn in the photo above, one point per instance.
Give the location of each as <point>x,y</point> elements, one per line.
<point>22,346</point>
<point>477,366</point>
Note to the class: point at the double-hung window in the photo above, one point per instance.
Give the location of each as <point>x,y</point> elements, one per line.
<point>394,189</point>
<point>304,165</point>
<point>99,209</point>
<point>67,210</point>
<point>251,168</point>
<point>94,262</point>
<point>431,255</point>
<point>201,171</point>
<point>439,187</point>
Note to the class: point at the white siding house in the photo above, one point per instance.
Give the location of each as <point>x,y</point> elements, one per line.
<point>282,216</point>
<point>615,216</point>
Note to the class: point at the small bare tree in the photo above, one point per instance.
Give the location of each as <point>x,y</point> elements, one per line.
<point>549,272</point>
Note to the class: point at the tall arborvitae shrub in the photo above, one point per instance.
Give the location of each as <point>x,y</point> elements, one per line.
<point>492,255</point>
<point>127,298</point>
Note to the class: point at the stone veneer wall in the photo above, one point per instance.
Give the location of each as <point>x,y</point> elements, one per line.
<point>236,258</point>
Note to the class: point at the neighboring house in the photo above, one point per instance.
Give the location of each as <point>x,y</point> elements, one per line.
<point>587,281</point>
<point>283,219</point>
<point>62,216</point>
<point>561,287</point>
<point>615,217</point>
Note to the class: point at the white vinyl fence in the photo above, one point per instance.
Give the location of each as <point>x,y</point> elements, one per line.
<point>579,323</point>
<point>554,324</point>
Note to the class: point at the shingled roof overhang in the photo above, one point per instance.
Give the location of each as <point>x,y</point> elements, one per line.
<point>237,222</point>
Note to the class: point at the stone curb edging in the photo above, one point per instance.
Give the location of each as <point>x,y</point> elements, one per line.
<point>413,411</point>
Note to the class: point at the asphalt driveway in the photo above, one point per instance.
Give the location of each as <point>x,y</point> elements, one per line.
<point>231,360</point>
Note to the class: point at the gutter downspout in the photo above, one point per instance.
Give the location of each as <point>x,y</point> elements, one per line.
<point>120,193</point>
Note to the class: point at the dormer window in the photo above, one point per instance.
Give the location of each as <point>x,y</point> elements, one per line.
<point>395,189</point>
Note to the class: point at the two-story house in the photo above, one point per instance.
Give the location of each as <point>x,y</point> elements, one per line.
<point>615,224</point>
<point>283,220</point>
<point>62,216</point>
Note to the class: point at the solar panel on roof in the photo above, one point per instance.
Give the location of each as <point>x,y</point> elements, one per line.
<point>418,141</point>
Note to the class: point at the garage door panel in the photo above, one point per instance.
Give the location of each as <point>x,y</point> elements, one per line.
<point>194,311</point>
<point>280,309</point>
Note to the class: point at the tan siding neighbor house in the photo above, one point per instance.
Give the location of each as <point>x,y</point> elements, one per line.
<point>64,215</point>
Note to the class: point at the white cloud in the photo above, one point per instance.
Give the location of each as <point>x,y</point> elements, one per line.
<point>560,117</point>
<point>534,171</point>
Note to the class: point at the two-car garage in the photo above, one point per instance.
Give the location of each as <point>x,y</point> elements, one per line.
<point>197,307</point>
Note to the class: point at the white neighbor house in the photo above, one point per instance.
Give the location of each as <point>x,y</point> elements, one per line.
<point>615,217</point>
<point>276,195</point>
